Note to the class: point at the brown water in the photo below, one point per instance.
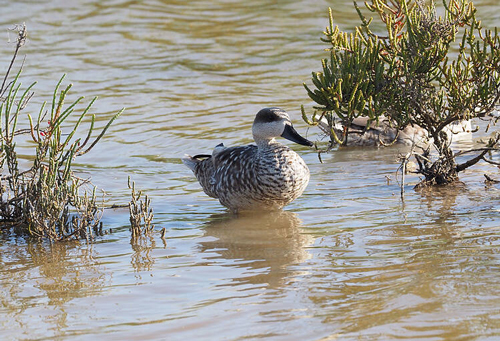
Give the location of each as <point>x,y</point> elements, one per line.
<point>346,261</point>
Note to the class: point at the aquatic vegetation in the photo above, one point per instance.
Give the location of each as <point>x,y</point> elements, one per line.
<point>47,199</point>
<point>415,68</point>
<point>141,213</point>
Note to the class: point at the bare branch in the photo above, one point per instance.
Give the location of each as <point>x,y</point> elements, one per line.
<point>21,40</point>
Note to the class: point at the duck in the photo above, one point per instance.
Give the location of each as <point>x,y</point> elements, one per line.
<point>384,133</point>
<point>266,175</point>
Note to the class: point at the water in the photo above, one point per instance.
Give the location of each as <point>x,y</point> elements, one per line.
<point>346,261</point>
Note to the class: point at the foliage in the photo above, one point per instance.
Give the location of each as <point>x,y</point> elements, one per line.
<point>425,70</point>
<point>141,213</point>
<point>47,199</point>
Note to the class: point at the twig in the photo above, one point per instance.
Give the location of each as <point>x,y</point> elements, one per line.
<point>491,161</point>
<point>491,180</point>
<point>473,161</point>
<point>21,39</point>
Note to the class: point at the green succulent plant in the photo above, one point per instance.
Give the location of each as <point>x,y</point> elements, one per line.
<point>425,69</point>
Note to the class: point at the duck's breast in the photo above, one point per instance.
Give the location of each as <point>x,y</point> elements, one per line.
<point>249,177</point>
<point>283,173</point>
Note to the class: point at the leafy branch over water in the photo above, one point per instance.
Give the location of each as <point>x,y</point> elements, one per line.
<point>424,70</point>
<point>47,199</point>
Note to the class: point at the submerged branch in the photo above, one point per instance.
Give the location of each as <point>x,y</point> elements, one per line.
<point>490,147</point>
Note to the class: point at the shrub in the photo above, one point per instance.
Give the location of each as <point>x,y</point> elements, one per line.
<point>47,199</point>
<point>424,70</point>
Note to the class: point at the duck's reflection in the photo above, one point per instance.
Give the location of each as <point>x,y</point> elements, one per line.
<point>266,244</point>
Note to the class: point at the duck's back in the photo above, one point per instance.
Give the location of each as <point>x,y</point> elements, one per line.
<point>247,178</point>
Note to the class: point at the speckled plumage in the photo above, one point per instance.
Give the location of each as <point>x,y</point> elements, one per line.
<point>266,176</point>
<point>384,132</point>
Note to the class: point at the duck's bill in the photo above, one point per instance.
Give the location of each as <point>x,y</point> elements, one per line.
<point>291,134</point>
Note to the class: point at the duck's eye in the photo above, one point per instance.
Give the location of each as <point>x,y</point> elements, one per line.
<point>272,118</point>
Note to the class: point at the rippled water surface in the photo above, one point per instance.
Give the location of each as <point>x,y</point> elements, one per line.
<point>346,261</point>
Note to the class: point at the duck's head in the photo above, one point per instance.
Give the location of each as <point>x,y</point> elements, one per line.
<point>273,122</point>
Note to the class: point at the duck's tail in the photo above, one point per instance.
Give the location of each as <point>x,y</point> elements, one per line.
<point>192,161</point>
<point>203,168</point>
<point>189,162</point>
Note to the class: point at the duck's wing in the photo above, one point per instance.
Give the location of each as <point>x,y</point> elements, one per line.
<point>227,169</point>
<point>233,168</point>
<point>361,123</point>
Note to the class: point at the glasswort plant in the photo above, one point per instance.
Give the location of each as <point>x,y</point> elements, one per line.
<point>47,199</point>
<point>424,70</point>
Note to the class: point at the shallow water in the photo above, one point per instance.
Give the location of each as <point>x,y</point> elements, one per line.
<point>349,260</point>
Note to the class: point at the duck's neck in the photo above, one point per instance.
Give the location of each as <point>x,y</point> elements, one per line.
<point>266,143</point>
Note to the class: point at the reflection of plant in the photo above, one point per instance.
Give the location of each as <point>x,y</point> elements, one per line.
<point>58,272</point>
<point>413,75</point>
<point>45,200</point>
<point>142,228</point>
